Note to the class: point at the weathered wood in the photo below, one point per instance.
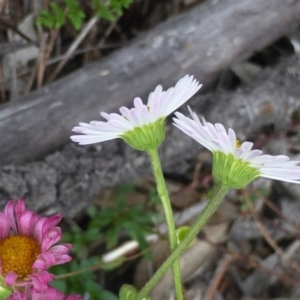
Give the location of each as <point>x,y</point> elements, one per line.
<point>203,41</point>
<point>70,179</point>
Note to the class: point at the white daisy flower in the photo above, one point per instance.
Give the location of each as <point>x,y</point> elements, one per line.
<point>235,165</point>
<point>142,126</point>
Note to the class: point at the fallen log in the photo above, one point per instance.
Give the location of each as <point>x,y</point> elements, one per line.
<point>202,41</point>
<point>70,179</point>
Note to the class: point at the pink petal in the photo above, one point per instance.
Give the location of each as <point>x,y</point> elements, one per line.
<point>40,279</point>
<point>17,295</point>
<point>10,215</point>
<point>10,278</point>
<point>62,259</point>
<point>27,222</point>
<point>45,224</point>
<point>51,222</point>
<point>19,210</point>
<point>44,261</point>
<point>61,249</point>
<point>20,207</point>
<point>54,294</point>
<point>39,264</point>
<point>39,229</point>
<point>51,238</point>
<point>73,297</point>
<point>4,226</point>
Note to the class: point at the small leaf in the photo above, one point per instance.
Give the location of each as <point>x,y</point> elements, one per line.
<point>103,12</point>
<point>58,14</point>
<point>181,233</point>
<point>112,236</point>
<point>128,292</point>
<point>75,14</point>
<point>92,234</point>
<point>45,19</point>
<point>113,265</point>
<point>60,284</point>
<point>107,295</point>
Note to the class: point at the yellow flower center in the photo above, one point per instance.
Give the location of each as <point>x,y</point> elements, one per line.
<point>18,253</point>
<point>238,144</point>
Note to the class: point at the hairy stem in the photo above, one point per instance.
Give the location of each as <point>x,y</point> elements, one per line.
<point>206,214</point>
<point>164,196</point>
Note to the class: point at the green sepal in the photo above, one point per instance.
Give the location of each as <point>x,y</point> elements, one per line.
<point>146,137</point>
<point>231,172</point>
<point>4,293</point>
<point>181,233</point>
<point>128,292</point>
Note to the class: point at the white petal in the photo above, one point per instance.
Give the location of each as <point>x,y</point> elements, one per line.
<point>138,103</point>
<point>194,115</point>
<point>89,139</point>
<point>183,91</point>
<point>220,128</point>
<point>105,115</point>
<point>223,143</point>
<point>246,146</point>
<point>232,140</point>
<point>215,138</point>
<point>160,104</point>
<point>252,154</point>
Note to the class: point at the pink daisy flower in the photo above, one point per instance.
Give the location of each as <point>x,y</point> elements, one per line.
<point>27,247</point>
<point>48,293</point>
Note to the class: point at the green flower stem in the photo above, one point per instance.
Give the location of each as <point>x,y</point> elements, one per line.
<point>164,196</point>
<point>206,214</point>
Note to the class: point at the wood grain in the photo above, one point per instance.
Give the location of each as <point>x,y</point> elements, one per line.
<point>202,41</point>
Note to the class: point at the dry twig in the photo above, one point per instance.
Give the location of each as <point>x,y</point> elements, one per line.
<point>268,237</point>
<point>219,274</point>
<point>84,31</point>
<point>280,214</point>
<point>254,264</point>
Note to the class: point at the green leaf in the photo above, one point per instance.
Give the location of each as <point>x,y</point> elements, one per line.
<point>55,18</point>
<point>72,4</point>
<point>128,292</point>
<point>112,236</point>
<point>104,218</point>
<point>118,5</point>
<point>182,232</point>
<point>60,284</point>
<point>5,293</point>
<point>92,234</point>
<point>76,20</point>
<point>103,12</point>
<point>112,265</point>
<point>92,211</point>
<point>59,15</point>
<point>45,19</point>
<point>139,234</point>
<point>94,289</point>
<point>122,191</point>
<point>154,197</point>
<point>107,295</point>
<point>75,14</point>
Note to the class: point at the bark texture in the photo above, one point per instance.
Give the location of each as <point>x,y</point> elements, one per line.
<point>70,179</point>
<point>203,41</point>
